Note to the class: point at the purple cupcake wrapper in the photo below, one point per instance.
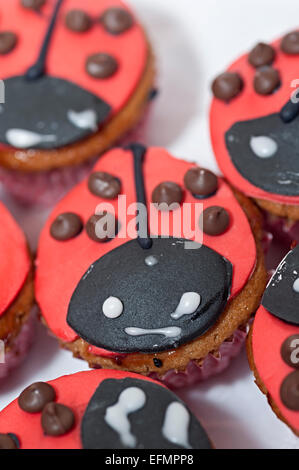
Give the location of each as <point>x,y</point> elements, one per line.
<point>212,364</point>
<point>20,348</point>
<point>285,230</point>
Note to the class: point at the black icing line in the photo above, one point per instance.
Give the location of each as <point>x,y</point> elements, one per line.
<point>289,111</point>
<point>150,295</point>
<point>139,151</point>
<point>280,298</point>
<point>278,174</point>
<point>146,423</point>
<point>37,70</point>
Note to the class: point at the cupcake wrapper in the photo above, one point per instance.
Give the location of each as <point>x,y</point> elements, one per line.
<point>285,230</point>
<point>20,348</point>
<point>211,365</point>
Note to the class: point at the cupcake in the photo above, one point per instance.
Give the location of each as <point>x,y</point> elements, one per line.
<point>77,76</point>
<point>16,295</point>
<point>253,120</point>
<point>100,410</point>
<point>171,298</point>
<point>273,345</point>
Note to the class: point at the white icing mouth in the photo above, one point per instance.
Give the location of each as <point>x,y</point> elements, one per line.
<point>168,332</point>
<point>83,120</point>
<point>21,138</point>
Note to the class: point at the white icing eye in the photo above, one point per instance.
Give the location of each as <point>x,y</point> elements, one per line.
<point>263,146</point>
<point>189,303</point>
<point>83,120</point>
<point>151,260</point>
<point>112,307</point>
<point>296,285</point>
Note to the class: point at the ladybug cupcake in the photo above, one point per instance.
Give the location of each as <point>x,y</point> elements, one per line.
<point>253,119</point>
<point>100,410</point>
<point>16,294</point>
<point>273,346</point>
<point>77,76</point>
<point>170,299</point>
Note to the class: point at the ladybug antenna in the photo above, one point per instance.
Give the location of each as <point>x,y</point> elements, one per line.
<point>290,110</point>
<point>37,70</point>
<point>139,151</point>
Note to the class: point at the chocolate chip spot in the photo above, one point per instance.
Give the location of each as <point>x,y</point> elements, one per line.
<point>78,21</point>
<point>34,398</point>
<point>227,86</point>
<point>214,220</point>
<point>104,185</point>
<point>266,80</point>
<point>262,54</point>
<point>102,227</point>
<point>116,20</point>
<point>157,362</point>
<point>8,41</point>
<point>200,182</point>
<point>290,351</point>
<point>289,391</point>
<point>33,4</point>
<point>290,43</point>
<point>101,65</point>
<point>7,442</point>
<point>66,226</point>
<point>167,193</point>
<point>57,419</point>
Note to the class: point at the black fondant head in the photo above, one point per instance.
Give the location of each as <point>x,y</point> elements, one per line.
<point>177,292</point>
<point>265,151</point>
<point>48,113</point>
<point>281,297</point>
<point>139,414</point>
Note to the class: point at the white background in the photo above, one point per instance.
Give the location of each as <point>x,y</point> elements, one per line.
<point>194,40</point>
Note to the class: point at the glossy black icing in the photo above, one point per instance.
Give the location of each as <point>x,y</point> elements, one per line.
<point>280,297</point>
<point>146,423</point>
<point>150,294</point>
<point>278,174</point>
<point>43,107</point>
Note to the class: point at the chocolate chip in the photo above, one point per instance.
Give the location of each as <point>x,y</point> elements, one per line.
<point>33,4</point>
<point>157,362</point>
<point>261,54</point>
<point>289,391</point>
<point>8,41</point>
<point>167,193</point>
<point>101,227</point>
<point>290,43</point>
<point>8,442</point>
<point>104,185</point>
<point>266,80</point>
<point>34,398</point>
<point>290,351</point>
<point>116,20</point>
<point>66,226</point>
<point>78,21</point>
<point>227,86</point>
<point>57,419</point>
<point>214,220</point>
<point>101,65</point>
<point>201,182</point>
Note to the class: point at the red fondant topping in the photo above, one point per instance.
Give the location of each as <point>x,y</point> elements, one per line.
<point>14,259</point>
<point>269,333</point>
<point>250,105</point>
<point>60,265</point>
<point>69,50</point>
<point>74,391</point>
